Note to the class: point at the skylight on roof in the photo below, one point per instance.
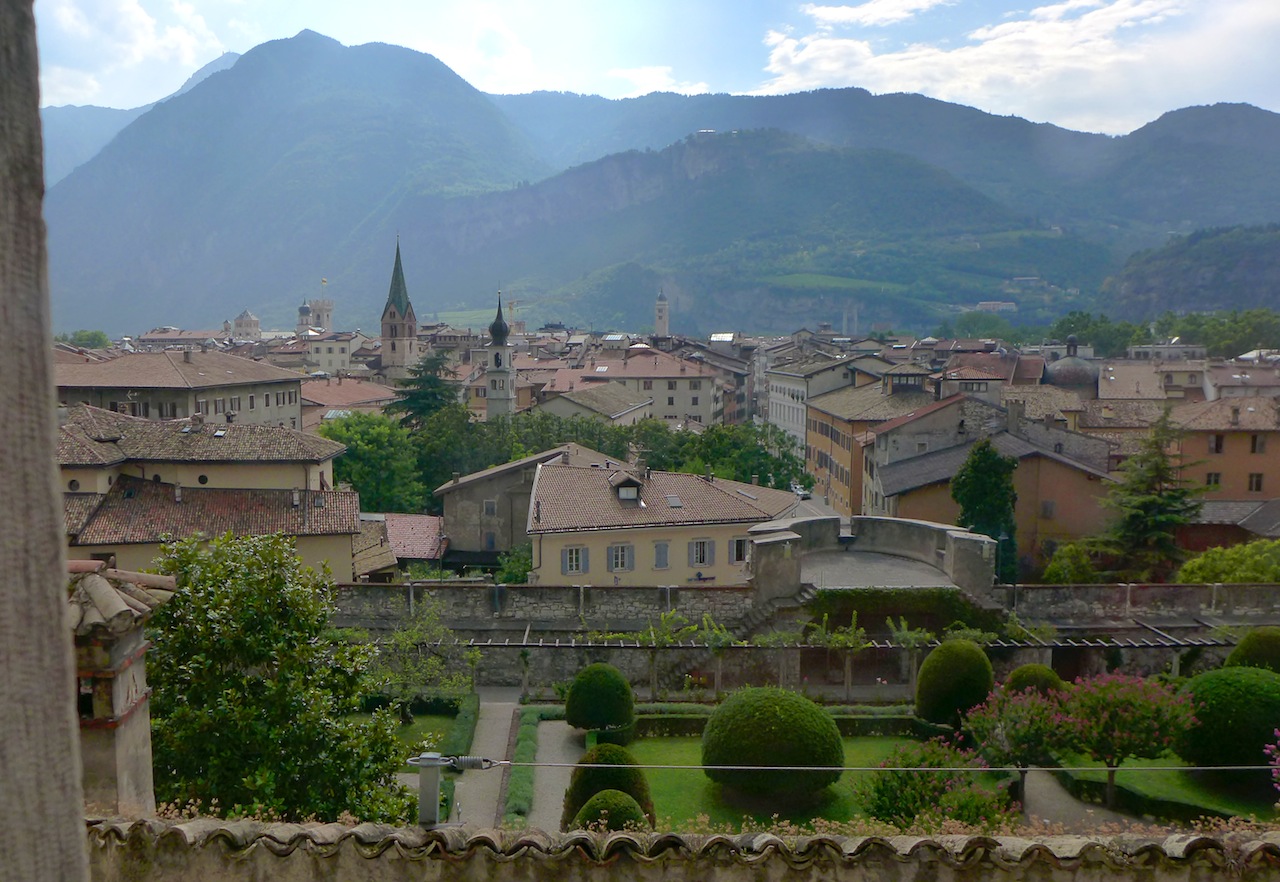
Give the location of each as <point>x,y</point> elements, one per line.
<point>220,433</point>
<point>674,502</point>
<point>746,494</point>
<point>601,368</point>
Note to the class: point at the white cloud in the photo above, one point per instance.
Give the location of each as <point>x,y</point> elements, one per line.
<point>655,79</point>
<point>873,13</point>
<point>1102,65</point>
<point>61,85</point>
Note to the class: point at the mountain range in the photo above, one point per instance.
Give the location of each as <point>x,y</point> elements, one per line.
<point>305,159</point>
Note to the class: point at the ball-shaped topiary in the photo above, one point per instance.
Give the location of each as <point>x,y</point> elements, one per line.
<point>1260,648</point>
<point>599,698</point>
<point>765,726</point>
<point>613,810</point>
<point>1237,711</point>
<point>1041,678</point>
<point>954,677</point>
<point>591,775</point>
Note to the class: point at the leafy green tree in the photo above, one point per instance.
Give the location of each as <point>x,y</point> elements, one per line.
<point>422,658</point>
<point>1015,728</point>
<point>1071,564</point>
<point>983,488</point>
<point>380,462</point>
<point>1113,718</point>
<point>427,389</point>
<point>1257,561</point>
<point>251,708</point>
<point>514,565</point>
<point>1151,501</point>
<point>86,339</point>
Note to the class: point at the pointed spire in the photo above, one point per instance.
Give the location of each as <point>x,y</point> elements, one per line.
<point>399,293</point>
<point>499,330</point>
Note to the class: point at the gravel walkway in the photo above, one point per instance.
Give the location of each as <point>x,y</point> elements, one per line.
<point>1047,800</point>
<point>558,742</point>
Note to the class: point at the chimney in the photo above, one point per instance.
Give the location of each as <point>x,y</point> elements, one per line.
<point>328,381</point>
<point>339,379</point>
<point>186,356</point>
<point>1235,416</point>
<point>755,479</point>
<point>297,497</point>
<point>709,478</point>
<point>231,416</point>
<point>177,492</point>
<point>456,476</point>
<point>1048,419</point>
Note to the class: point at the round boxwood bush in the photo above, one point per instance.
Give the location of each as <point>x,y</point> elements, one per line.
<point>586,781</point>
<point>954,677</point>
<point>613,810</point>
<point>1237,711</point>
<point>1260,648</point>
<point>599,698</point>
<point>1041,678</point>
<point>771,727</point>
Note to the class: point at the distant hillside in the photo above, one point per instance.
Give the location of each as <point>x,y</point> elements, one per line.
<point>306,159</point>
<point>248,188</point>
<point>73,134</point>
<point>1232,268</point>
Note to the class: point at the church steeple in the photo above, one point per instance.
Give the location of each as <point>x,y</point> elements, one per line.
<point>399,326</point>
<point>499,371</point>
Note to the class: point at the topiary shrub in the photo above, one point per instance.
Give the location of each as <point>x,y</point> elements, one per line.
<point>613,810</point>
<point>1260,648</point>
<point>1041,678</point>
<point>586,781</point>
<point>599,698</point>
<point>771,727</point>
<point>1237,711</point>
<point>954,677</point>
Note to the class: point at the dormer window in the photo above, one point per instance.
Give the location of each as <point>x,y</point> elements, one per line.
<point>629,492</point>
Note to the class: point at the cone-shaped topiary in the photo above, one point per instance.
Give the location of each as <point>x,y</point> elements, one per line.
<point>599,698</point>
<point>771,727</point>
<point>1237,711</point>
<point>954,677</point>
<point>1041,678</point>
<point>612,809</point>
<point>586,781</point>
<point>1260,648</point>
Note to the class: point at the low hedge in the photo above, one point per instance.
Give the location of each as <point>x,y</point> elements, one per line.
<point>670,725</point>
<point>457,741</point>
<point>518,802</point>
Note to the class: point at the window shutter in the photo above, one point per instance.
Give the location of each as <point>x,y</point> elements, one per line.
<point>586,567</point>
<point>693,546</point>
<point>660,556</point>
<point>608,559</point>
<point>564,561</point>
<point>711,552</point>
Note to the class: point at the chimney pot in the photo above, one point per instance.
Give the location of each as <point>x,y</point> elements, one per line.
<point>297,497</point>
<point>186,356</point>
<point>177,492</point>
<point>456,476</point>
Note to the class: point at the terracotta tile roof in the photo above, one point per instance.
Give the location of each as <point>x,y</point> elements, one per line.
<point>1124,857</point>
<point>370,550</point>
<point>934,407</point>
<point>415,537</point>
<point>1040,400</point>
<point>111,600</point>
<point>1028,369</point>
<point>808,367</point>
<point>1254,413</point>
<point>137,511</point>
<point>1131,380</point>
<point>966,372</point>
<point>574,454</point>
<point>1120,414</point>
<point>608,399</point>
<point>347,392</point>
<point>170,370</point>
<point>93,436</point>
<point>1225,511</point>
<point>77,508</point>
<point>571,499</point>
<point>868,403</point>
<point>908,369</point>
<point>991,362</point>
<point>1235,374</point>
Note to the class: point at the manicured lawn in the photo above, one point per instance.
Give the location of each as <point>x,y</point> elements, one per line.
<point>1234,793</point>
<point>681,796</point>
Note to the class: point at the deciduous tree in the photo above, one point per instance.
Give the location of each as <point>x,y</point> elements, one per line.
<point>251,704</point>
<point>380,462</point>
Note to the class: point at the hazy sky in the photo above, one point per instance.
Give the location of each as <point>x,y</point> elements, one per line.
<point>1096,65</point>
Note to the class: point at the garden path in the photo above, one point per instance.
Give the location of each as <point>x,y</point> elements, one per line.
<point>1048,800</point>
<point>558,742</point>
<point>477,793</point>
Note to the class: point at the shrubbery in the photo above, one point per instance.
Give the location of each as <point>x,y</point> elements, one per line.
<point>599,698</point>
<point>613,810</point>
<point>588,780</point>
<point>1236,710</point>
<point>772,727</point>
<point>954,677</point>
<point>1260,648</point>
<point>924,798</point>
<point>1041,678</point>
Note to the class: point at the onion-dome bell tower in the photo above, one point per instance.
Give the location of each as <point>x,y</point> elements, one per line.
<point>499,371</point>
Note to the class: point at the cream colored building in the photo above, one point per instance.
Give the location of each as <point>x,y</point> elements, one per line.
<point>601,526</point>
<point>129,483</point>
